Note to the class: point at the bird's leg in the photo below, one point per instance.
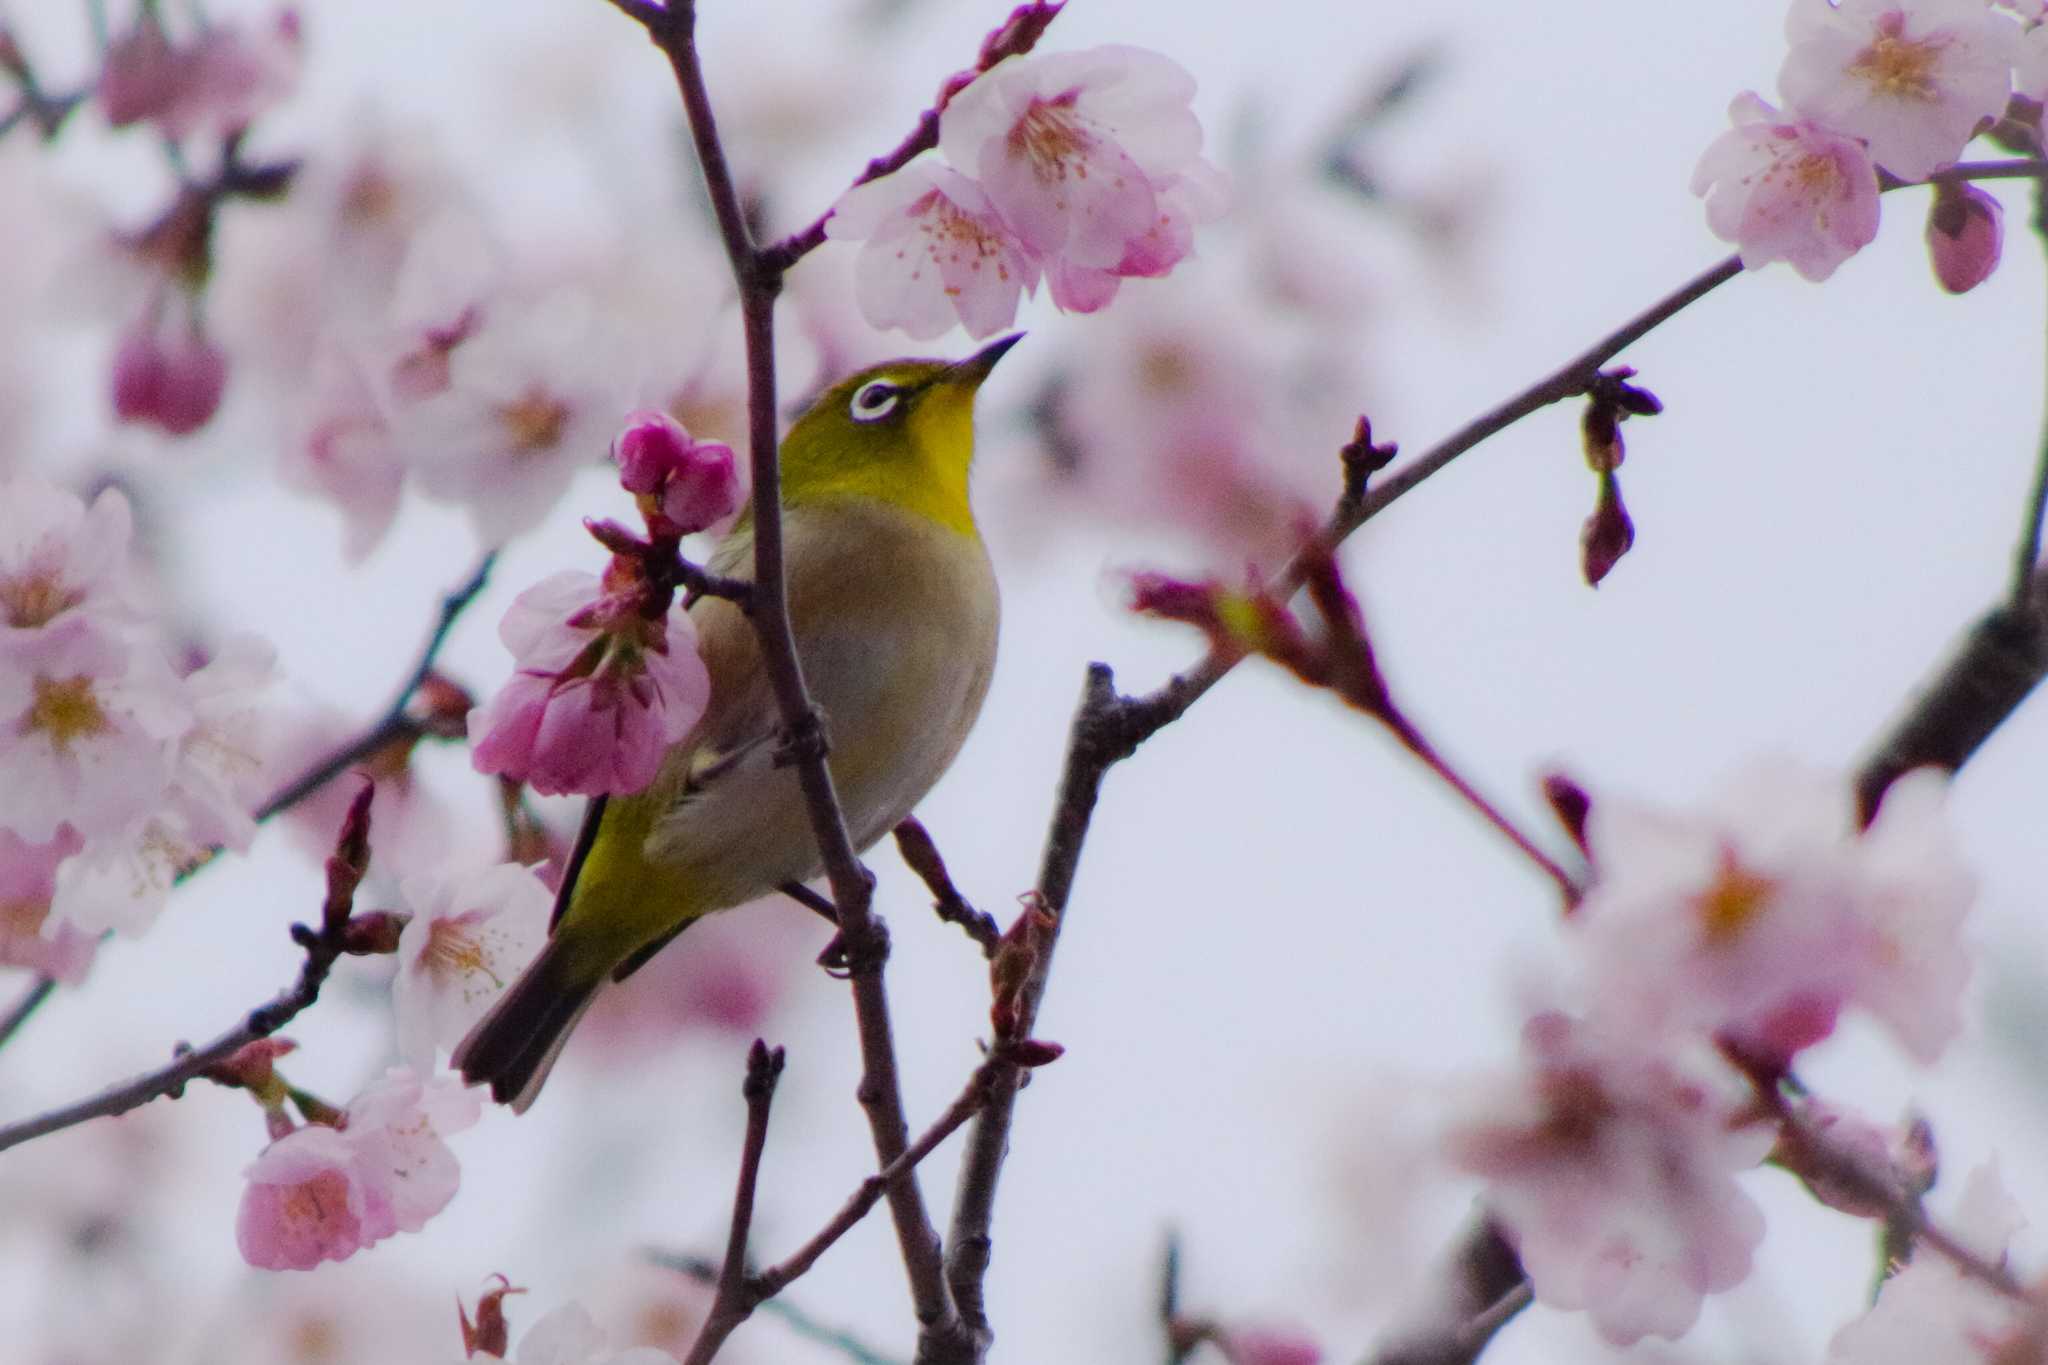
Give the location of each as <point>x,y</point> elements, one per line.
<point>833,959</point>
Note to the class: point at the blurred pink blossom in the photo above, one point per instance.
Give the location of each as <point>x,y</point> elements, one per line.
<point>1084,155</point>
<point>936,253</point>
<point>411,828</point>
<point>28,881</point>
<point>1930,1311</point>
<point>733,974</point>
<point>122,878</point>
<point>1911,78</point>
<point>215,83</point>
<point>1760,918</point>
<point>1965,236</point>
<point>168,376</point>
<point>1269,1346</point>
<point>690,484</point>
<point>468,937</point>
<point>599,694</point>
<point>322,1194</point>
<point>570,1336</point>
<point>59,561</point>
<point>1612,1169</point>
<point>342,451</point>
<point>1787,190</point>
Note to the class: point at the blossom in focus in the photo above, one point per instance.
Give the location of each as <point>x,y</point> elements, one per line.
<point>599,692</point>
<point>1911,78</point>
<point>122,878</point>
<point>690,484</point>
<point>1787,190</point>
<point>570,1336</point>
<point>87,721</point>
<point>1965,235</point>
<point>1931,1311</point>
<point>322,1194</point>
<point>1077,152</point>
<point>60,562</point>
<point>1759,919</point>
<point>937,253</point>
<point>1612,1170</point>
<point>28,937</point>
<point>168,376</point>
<point>468,937</point>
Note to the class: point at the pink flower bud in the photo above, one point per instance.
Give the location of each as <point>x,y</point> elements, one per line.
<point>174,382</point>
<point>690,484</point>
<point>1965,233</point>
<point>143,76</point>
<point>1269,1346</point>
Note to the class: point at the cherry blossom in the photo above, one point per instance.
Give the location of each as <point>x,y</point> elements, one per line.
<point>599,694</point>
<point>1787,190</point>
<point>570,1336</point>
<point>86,726</point>
<point>122,878</point>
<point>1076,152</point>
<point>1612,1170</point>
<point>216,83</point>
<point>60,562</point>
<point>1759,919</point>
<point>322,1193</point>
<point>1965,235</point>
<point>468,937</point>
<point>170,377</point>
<point>28,938</point>
<point>690,485</point>
<point>1912,78</point>
<point>936,253</point>
<point>1268,1346</point>
<point>1929,1310</point>
<point>342,451</point>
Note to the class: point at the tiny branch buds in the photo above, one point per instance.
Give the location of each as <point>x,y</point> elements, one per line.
<point>914,842</point>
<point>1609,533</point>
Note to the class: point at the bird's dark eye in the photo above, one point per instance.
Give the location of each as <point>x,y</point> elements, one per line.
<point>874,400</point>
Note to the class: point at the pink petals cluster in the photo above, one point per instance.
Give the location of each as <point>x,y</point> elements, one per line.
<point>111,763</point>
<point>1083,168</point>
<point>608,672</point>
<point>1899,86</point>
<point>1735,934</point>
<point>322,1192</point>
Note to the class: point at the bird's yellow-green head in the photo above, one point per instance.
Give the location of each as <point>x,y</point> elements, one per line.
<point>900,432</point>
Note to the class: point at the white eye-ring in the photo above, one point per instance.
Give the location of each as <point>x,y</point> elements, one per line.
<point>874,400</point>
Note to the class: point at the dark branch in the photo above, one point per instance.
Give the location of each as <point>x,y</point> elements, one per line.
<point>729,1307</point>
<point>914,842</point>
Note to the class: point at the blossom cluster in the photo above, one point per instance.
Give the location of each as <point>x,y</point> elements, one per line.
<point>1892,87</point>
<point>1080,168</point>
<point>117,771</point>
<point>1711,951</point>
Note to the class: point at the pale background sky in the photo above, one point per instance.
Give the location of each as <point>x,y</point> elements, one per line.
<point>1286,945</point>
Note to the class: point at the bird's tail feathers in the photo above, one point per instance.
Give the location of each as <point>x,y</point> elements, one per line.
<point>514,1046</point>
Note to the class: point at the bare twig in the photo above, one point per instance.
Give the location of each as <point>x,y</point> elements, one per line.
<point>345,868</point>
<point>914,841</point>
<point>31,1000</point>
<point>729,1307</point>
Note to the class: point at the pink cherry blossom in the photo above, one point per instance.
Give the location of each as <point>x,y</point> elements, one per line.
<point>1930,1311</point>
<point>342,451</point>
<point>122,878</point>
<point>936,253</point>
<point>322,1194</point>
<point>1612,1169</point>
<point>60,562</point>
<point>1759,919</point>
<point>1787,190</point>
<point>28,937</point>
<point>1911,78</point>
<point>599,695</point>
<point>1268,1346</point>
<point>215,83</point>
<point>170,377</point>
<point>1074,150</point>
<point>689,484</point>
<point>1965,235</point>
<point>87,721</point>
<point>570,1336</point>
<point>468,937</point>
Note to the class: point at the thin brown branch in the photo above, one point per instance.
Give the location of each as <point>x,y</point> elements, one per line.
<point>863,936</point>
<point>31,1000</point>
<point>914,841</point>
<point>1483,1287</point>
<point>345,868</point>
<point>729,1305</point>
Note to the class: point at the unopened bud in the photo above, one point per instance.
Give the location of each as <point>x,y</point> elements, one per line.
<point>1571,805</point>
<point>172,381</point>
<point>683,485</point>
<point>488,1335</point>
<point>1608,533</point>
<point>1965,235</point>
<point>374,932</point>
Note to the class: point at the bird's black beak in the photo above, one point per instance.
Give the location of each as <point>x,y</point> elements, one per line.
<point>975,368</point>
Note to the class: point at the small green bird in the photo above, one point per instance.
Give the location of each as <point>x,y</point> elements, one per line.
<point>893,605</point>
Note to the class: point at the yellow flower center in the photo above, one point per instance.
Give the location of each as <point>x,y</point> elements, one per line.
<point>534,421</point>
<point>1899,67</point>
<point>65,710</point>
<point>1734,901</point>
<point>35,599</point>
<point>1049,136</point>
<point>23,918</point>
<point>452,951</point>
